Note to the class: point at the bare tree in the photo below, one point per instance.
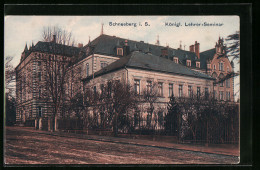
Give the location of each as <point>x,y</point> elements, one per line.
<point>55,77</point>
<point>10,100</point>
<point>150,96</point>
<point>116,100</point>
<point>9,76</point>
<point>207,120</point>
<point>62,36</point>
<point>233,48</point>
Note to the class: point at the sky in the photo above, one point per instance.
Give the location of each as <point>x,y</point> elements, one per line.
<point>19,30</point>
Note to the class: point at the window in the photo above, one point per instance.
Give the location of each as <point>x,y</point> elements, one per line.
<point>221,66</point>
<point>221,95</point>
<point>120,51</point>
<point>206,92</point>
<point>160,89</point>
<point>170,89</point>
<point>175,59</point>
<point>149,86</point>
<point>95,90</point>
<point>87,69</point>
<point>198,92</point>
<point>109,90</point>
<point>190,91</point>
<point>227,69</point>
<point>137,86</point>
<point>39,63</point>
<point>208,66</point>
<point>188,63</point>
<point>215,94</point>
<point>228,83</point>
<point>39,111</point>
<point>180,91</point>
<point>221,83</point>
<point>40,92</point>
<point>102,89</point>
<point>198,64</point>
<point>228,96</point>
<point>214,67</point>
<point>103,64</point>
<point>39,76</point>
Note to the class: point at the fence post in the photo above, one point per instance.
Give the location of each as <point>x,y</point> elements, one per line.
<point>207,142</point>
<point>56,125</point>
<point>35,123</point>
<point>40,124</point>
<point>49,124</point>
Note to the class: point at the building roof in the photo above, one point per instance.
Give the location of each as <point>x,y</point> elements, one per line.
<point>53,48</point>
<point>61,49</point>
<point>105,44</point>
<point>206,55</point>
<point>140,60</point>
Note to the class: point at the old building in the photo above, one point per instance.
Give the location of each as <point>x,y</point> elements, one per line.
<point>33,92</point>
<point>106,58</point>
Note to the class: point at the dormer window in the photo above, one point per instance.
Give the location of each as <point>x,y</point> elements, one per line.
<point>120,51</point>
<point>175,59</point>
<point>188,63</point>
<point>197,64</point>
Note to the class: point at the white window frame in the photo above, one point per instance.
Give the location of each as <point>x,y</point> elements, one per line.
<point>189,63</point>
<point>228,95</point>
<point>176,60</point>
<point>221,95</point>
<point>221,66</point>
<point>171,89</point>
<point>160,89</point>
<point>120,51</point>
<point>190,92</point>
<point>180,90</point>
<point>149,85</point>
<point>197,64</point>
<point>137,86</point>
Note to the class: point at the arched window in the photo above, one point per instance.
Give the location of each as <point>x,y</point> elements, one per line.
<point>214,75</point>
<point>221,66</point>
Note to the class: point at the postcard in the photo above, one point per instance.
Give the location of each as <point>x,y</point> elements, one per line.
<point>134,89</point>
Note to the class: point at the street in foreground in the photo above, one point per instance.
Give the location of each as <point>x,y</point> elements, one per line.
<point>27,147</point>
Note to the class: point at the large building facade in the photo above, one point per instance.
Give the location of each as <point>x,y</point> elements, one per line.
<point>175,71</point>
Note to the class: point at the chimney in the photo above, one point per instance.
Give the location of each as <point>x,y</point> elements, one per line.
<point>54,38</point>
<point>126,43</point>
<point>80,45</point>
<point>192,48</point>
<point>126,48</point>
<point>197,49</point>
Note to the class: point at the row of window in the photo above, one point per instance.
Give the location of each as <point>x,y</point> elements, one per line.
<point>160,89</point>
<point>102,65</point>
<point>221,95</point>
<point>221,84</point>
<point>221,67</point>
<point>188,63</point>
